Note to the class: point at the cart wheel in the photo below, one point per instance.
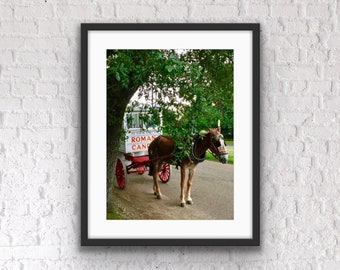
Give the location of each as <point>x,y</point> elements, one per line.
<point>120,174</point>
<point>164,174</point>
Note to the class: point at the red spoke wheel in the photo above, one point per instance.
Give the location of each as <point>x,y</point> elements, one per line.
<point>164,174</point>
<point>120,174</point>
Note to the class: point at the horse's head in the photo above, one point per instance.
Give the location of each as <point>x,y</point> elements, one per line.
<point>216,144</point>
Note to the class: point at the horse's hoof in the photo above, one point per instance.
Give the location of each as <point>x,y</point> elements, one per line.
<point>159,197</point>
<point>154,193</point>
<point>190,202</point>
<point>182,204</point>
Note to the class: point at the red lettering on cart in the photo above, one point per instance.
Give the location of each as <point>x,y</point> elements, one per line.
<point>143,146</point>
<point>143,139</point>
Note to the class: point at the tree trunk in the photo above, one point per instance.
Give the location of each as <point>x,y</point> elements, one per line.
<point>117,102</point>
<point>111,159</point>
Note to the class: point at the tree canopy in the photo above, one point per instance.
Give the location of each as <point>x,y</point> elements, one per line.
<point>191,88</point>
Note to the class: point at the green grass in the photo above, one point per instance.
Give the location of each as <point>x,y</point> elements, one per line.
<point>115,213</point>
<point>229,142</point>
<point>230,150</point>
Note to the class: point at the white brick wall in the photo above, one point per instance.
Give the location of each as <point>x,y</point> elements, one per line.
<point>40,121</point>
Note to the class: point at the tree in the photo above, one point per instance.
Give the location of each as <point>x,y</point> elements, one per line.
<point>211,93</point>
<point>127,70</point>
<point>193,88</point>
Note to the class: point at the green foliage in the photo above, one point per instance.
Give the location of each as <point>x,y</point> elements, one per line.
<point>206,95</point>
<point>128,70</point>
<point>191,88</point>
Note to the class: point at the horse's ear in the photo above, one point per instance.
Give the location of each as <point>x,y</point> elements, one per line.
<point>213,130</point>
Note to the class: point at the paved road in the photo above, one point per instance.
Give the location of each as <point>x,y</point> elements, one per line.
<point>212,194</point>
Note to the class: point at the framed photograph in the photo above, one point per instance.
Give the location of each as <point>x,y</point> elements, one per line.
<point>170,134</point>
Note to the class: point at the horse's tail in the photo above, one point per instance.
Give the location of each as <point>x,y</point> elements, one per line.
<point>150,163</point>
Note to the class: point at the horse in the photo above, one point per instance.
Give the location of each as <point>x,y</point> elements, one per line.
<point>162,150</point>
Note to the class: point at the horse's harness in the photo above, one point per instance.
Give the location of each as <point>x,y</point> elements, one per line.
<point>200,159</point>
<point>192,155</point>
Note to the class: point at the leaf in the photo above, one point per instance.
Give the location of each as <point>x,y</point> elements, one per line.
<point>169,68</point>
<point>117,76</point>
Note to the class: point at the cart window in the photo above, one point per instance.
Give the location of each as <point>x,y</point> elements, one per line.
<point>133,121</point>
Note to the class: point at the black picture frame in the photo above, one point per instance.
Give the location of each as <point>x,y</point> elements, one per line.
<point>254,240</point>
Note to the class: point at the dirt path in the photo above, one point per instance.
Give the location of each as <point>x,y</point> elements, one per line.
<point>212,194</point>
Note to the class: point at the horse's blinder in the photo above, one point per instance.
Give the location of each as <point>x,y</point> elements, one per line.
<point>217,149</point>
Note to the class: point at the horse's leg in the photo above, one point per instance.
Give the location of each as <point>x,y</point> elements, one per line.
<point>183,168</point>
<point>190,180</point>
<point>151,169</point>
<point>156,188</point>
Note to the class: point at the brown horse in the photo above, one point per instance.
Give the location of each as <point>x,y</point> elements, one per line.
<point>162,149</point>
